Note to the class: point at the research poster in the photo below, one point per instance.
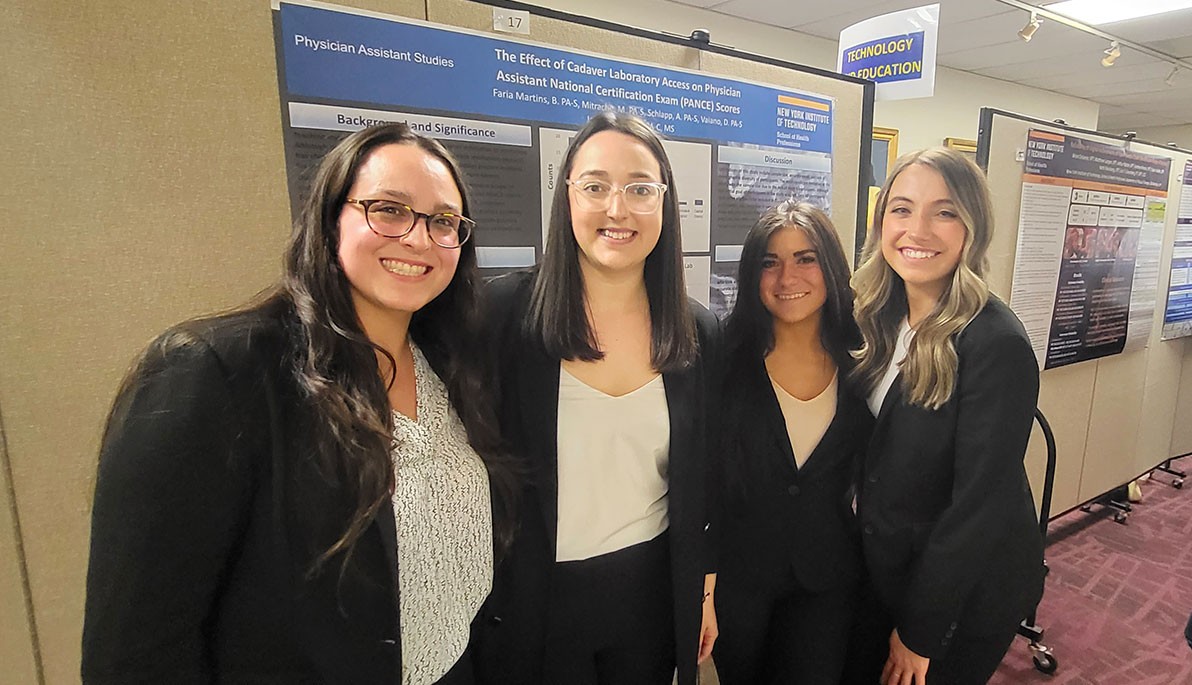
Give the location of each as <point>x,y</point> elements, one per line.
<point>1177,319</point>
<point>507,108</point>
<point>1090,230</point>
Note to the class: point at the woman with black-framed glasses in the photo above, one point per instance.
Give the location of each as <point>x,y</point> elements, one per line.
<point>603,364</point>
<point>312,488</point>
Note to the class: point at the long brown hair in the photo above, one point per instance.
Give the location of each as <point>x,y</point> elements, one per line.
<point>337,366</point>
<point>558,315</point>
<point>334,365</point>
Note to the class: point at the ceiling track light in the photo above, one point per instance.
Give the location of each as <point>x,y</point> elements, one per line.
<point>1111,54</point>
<point>1027,32</point>
<point>1170,80</point>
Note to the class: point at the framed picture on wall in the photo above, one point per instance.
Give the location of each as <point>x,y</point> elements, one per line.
<point>964,146</point>
<point>882,154</point>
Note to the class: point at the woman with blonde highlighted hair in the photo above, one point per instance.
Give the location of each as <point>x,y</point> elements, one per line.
<point>948,522</point>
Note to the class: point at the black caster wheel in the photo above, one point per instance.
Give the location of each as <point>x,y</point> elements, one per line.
<point>1045,663</point>
<point>1120,517</point>
<point>1178,483</point>
<point>1086,508</point>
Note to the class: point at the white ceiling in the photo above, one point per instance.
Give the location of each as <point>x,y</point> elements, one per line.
<point>981,36</point>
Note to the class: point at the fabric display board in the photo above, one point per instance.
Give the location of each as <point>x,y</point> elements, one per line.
<point>1090,232</point>
<point>1177,319</point>
<point>507,108</point>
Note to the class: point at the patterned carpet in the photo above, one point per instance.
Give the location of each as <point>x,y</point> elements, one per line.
<point>1118,596</point>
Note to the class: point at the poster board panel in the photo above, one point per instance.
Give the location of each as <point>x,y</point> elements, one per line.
<point>742,136</point>
<point>1181,437</point>
<point>846,142</point>
<point>1098,409</point>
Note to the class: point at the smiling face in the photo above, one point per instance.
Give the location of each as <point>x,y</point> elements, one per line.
<point>792,282</point>
<point>614,240</point>
<point>922,232</point>
<point>395,277</point>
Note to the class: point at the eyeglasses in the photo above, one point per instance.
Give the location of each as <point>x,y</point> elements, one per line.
<point>595,196</point>
<point>391,219</point>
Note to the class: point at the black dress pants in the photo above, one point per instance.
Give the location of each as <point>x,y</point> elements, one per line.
<point>782,635</point>
<point>611,619</point>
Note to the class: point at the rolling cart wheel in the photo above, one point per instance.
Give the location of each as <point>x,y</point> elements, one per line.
<point>1178,483</point>
<point>1086,508</point>
<point>1045,663</point>
<point>1120,517</point>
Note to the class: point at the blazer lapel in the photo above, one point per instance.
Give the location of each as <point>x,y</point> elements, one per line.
<point>773,417</point>
<point>539,399</point>
<point>681,394</point>
<point>387,527</point>
<point>836,433</point>
<point>891,400</point>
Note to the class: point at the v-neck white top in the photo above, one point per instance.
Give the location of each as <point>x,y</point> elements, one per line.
<point>901,346</point>
<point>613,457</point>
<point>806,420</point>
<point>444,530</point>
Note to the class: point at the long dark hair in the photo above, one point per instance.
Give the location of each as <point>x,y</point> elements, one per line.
<point>558,315</point>
<point>335,367</point>
<point>336,364</point>
<point>749,329</point>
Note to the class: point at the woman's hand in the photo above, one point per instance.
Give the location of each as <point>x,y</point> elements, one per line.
<point>904,667</point>
<point>708,631</point>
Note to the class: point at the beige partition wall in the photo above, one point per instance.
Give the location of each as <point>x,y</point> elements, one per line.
<point>1181,437</point>
<point>18,648</point>
<point>144,183</point>
<point>1114,417</point>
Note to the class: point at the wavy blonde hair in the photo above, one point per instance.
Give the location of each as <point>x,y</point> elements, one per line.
<point>929,370</point>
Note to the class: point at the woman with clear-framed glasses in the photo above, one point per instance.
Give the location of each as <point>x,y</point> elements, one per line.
<point>312,488</point>
<point>602,366</point>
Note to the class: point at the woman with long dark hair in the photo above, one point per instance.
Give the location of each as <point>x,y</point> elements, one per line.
<point>790,431</point>
<point>950,532</point>
<point>299,491</point>
<point>602,367</point>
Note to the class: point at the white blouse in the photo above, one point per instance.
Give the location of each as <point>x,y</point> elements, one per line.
<point>806,420</point>
<point>901,345</point>
<point>613,454</point>
<point>444,530</point>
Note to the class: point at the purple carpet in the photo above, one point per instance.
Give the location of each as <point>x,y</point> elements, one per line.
<point>1118,596</point>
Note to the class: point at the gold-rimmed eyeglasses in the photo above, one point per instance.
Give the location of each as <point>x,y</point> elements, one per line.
<point>390,219</point>
<point>640,198</point>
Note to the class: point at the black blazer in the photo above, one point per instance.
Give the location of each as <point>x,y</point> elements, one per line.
<point>950,532</point>
<point>510,633</point>
<point>207,514</point>
<point>774,519</point>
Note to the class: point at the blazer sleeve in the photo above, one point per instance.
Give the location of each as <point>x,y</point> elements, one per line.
<point>712,363</point>
<point>998,388</point>
<point>171,500</point>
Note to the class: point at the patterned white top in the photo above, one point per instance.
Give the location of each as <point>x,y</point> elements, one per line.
<point>444,530</point>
